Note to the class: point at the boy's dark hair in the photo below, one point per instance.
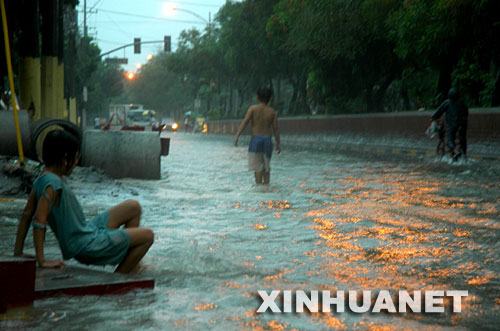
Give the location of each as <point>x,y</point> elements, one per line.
<point>264,94</point>
<point>58,146</point>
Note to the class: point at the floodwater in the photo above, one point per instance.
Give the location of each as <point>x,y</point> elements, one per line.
<point>328,221</point>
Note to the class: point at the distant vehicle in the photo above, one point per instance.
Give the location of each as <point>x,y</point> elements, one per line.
<point>168,124</point>
<point>130,117</point>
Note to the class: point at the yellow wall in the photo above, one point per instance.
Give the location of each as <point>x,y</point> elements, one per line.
<point>30,88</point>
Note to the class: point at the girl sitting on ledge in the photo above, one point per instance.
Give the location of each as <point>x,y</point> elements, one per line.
<point>99,241</point>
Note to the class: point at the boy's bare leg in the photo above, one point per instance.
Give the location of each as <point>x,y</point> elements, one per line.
<point>267,176</point>
<point>127,213</point>
<point>258,177</point>
<point>141,240</point>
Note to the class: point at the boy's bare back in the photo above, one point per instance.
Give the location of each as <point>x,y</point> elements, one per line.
<point>263,119</point>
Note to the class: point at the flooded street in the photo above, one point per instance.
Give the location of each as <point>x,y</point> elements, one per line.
<point>328,221</point>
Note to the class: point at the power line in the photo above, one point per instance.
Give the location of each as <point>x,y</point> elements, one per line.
<point>196,4</point>
<point>117,26</point>
<point>151,17</point>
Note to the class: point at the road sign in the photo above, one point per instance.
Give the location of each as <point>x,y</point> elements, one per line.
<point>117,60</point>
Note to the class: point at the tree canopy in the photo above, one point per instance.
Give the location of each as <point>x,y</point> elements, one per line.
<point>338,56</point>
<point>319,56</point>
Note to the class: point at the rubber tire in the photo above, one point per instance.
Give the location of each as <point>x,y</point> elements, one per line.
<point>39,126</point>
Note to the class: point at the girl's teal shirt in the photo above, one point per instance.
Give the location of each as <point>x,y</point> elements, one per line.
<point>66,220</point>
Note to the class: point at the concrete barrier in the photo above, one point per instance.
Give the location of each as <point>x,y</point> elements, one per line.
<point>120,154</point>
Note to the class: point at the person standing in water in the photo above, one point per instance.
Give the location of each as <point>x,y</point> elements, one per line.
<point>456,123</point>
<point>264,122</point>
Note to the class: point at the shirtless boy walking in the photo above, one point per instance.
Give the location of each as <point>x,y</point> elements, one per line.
<point>264,122</point>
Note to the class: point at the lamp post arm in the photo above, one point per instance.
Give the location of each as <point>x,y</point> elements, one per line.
<point>132,44</point>
<point>193,13</point>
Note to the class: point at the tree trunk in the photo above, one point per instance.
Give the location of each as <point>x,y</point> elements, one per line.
<point>495,98</point>
<point>369,99</point>
<point>378,97</point>
<point>303,106</point>
<point>230,110</point>
<point>406,98</point>
<point>292,107</point>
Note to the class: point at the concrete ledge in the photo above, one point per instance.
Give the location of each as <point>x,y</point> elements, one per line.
<point>21,282</point>
<point>17,282</point>
<point>135,154</point>
<point>77,281</point>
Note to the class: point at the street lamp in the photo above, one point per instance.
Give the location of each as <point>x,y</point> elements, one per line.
<point>130,75</point>
<point>170,8</point>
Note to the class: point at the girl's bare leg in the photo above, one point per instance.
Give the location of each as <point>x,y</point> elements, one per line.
<point>127,213</point>
<point>141,240</point>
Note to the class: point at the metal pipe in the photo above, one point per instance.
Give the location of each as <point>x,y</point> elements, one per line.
<point>11,83</point>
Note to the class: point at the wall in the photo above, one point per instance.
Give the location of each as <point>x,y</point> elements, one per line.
<point>484,124</point>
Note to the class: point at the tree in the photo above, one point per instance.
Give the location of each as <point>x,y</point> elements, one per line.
<point>345,43</point>
<point>444,33</point>
<point>158,88</point>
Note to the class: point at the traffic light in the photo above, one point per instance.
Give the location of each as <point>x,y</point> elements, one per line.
<point>167,44</point>
<point>137,45</point>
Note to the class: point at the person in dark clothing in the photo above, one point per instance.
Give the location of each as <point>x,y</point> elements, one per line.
<point>456,123</point>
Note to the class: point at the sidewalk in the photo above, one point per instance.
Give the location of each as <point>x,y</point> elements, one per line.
<point>410,146</point>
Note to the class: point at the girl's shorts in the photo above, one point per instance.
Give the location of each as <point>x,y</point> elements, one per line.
<point>109,247</point>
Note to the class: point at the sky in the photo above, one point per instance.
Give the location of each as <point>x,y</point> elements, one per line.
<point>114,23</point>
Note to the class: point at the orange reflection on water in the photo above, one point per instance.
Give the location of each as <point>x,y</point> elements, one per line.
<point>234,285</point>
<point>206,306</point>
<point>481,280</point>
<point>259,226</point>
<point>395,231</point>
<point>280,204</point>
<point>331,321</point>
<point>275,325</point>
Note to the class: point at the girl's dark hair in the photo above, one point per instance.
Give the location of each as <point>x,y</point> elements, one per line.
<point>59,145</point>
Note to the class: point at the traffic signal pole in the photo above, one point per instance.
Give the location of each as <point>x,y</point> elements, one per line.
<point>132,44</point>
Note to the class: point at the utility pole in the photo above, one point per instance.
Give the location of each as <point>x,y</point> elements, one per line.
<point>85,19</point>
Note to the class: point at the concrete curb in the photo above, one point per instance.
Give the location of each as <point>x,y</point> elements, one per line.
<point>385,150</point>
